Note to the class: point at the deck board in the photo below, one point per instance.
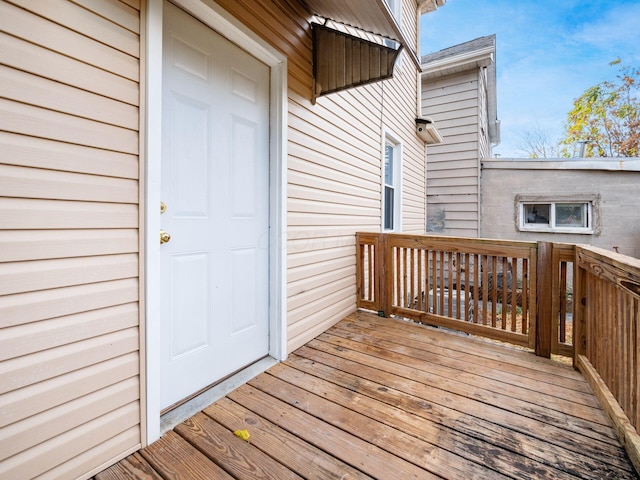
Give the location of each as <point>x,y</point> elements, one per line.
<point>376,398</point>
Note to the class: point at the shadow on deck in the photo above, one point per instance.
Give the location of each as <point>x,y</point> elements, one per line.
<point>382,398</point>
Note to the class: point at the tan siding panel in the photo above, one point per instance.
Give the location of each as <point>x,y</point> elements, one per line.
<point>39,122</point>
<point>40,61</point>
<point>330,141</point>
<point>303,179</point>
<point>37,336</point>
<point>85,22</point>
<point>453,181</point>
<point>18,436</point>
<point>469,127</point>
<point>19,214</point>
<point>301,286</point>
<point>460,173</point>
<point>310,245</point>
<point>312,295</point>
<point>319,268</point>
<point>39,397</point>
<point>22,371</point>
<point>462,118</point>
<point>312,308</point>
<point>40,183</point>
<point>69,240</point>
<point>471,147</point>
<point>455,203</point>
<point>319,220</point>
<point>42,153</point>
<point>22,277</point>
<point>311,325</point>
<point>306,192</point>
<point>310,206</point>
<point>48,455</point>
<point>301,258</point>
<point>116,11</point>
<point>339,166</point>
<point>104,454</point>
<point>36,306</point>
<point>132,3</point>
<point>27,88</point>
<point>457,155</point>
<point>17,245</point>
<point>453,189</point>
<point>451,98</point>
<point>37,30</point>
<point>437,164</point>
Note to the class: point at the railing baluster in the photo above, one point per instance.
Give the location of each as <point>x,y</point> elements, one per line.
<point>525,296</point>
<point>505,303</point>
<point>514,293</point>
<point>476,286</point>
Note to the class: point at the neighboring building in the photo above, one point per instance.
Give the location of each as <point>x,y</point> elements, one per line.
<point>592,201</point>
<point>209,134</point>
<point>470,194</point>
<point>459,94</point>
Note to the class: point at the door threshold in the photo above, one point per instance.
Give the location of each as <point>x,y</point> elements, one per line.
<point>199,402</point>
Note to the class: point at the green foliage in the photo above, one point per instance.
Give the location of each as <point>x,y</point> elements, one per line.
<point>606,117</point>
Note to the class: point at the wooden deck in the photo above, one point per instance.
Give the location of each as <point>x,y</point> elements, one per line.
<point>385,399</point>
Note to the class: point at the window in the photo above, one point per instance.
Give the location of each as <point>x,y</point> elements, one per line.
<point>396,8</point>
<point>391,186</point>
<point>561,217</point>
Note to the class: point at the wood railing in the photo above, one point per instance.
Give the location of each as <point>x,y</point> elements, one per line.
<point>607,331</point>
<point>478,286</point>
<point>557,298</point>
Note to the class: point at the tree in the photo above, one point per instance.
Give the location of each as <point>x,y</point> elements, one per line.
<point>536,143</point>
<point>606,117</point>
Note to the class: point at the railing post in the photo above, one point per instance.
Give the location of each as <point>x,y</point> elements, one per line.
<point>382,266</point>
<point>544,297</point>
<point>579,309</point>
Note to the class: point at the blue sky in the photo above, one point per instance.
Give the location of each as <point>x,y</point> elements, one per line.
<point>548,53</point>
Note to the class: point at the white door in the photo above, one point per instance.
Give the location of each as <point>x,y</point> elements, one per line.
<point>215,184</point>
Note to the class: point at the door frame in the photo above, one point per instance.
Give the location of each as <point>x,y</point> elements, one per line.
<point>231,28</point>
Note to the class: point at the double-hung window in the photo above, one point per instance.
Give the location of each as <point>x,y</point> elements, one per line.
<point>391,199</point>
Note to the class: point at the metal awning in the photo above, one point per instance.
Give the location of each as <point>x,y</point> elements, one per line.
<point>342,61</point>
<point>371,16</point>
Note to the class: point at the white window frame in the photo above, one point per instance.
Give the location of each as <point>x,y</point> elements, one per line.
<point>393,141</point>
<point>395,6</point>
<point>551,227</point>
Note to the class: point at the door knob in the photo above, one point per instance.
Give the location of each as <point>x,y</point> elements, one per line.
<point>164,236</point>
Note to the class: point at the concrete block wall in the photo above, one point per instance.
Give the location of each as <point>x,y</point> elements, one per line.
<point>613,185</point>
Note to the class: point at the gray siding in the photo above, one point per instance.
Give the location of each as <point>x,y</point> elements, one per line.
<point>456,105</point>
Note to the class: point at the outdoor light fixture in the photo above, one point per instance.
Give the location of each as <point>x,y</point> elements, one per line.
<point>427,131</point>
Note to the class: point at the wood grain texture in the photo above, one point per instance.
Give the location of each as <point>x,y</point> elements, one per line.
<point>349,405</point>
<point>174,457</point>
<point>134,466</point>
<point>230,452</point>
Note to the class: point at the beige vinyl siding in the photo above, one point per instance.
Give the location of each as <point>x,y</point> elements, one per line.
<point>70,387</point>
<point>455,104</point>
<point>334,166</point>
